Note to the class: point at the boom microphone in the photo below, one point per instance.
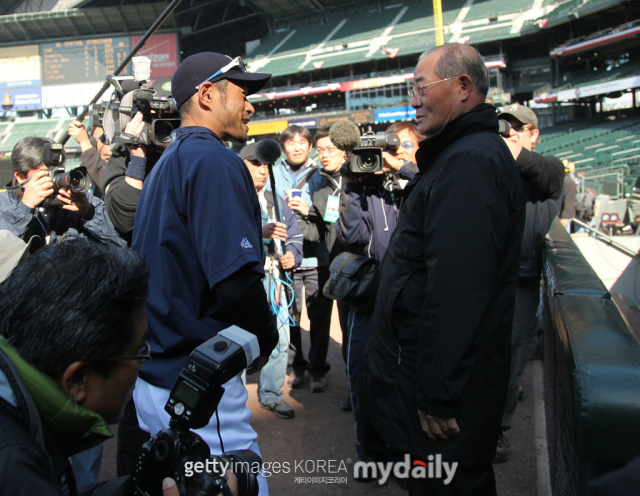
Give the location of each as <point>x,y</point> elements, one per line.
<point>345,135</point>
<point>268,151</point>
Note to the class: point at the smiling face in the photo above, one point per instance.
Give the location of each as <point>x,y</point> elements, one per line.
<point>297,150</point>
<point>233,112</point>
<point>439,103</point>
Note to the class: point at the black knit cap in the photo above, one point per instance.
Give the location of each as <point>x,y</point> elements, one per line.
<point>195,69</point>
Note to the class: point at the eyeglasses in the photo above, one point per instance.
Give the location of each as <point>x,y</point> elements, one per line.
<point>418,90</point>
<point>329,150</point>
<point>237,62</point>
<point>144,356</point>
<point>407,145</point>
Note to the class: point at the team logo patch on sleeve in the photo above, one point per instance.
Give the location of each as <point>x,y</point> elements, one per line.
<point>245,243</point>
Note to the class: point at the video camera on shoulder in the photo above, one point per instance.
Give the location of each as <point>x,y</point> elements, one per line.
<point>367,158</point>
<point>159,110</point>
<point>193,400</point>
<point>76,180</point>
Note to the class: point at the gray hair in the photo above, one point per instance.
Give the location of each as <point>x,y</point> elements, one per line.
<point>460,59</point>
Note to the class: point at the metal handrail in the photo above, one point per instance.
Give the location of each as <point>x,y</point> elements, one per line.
<point>608,239</point>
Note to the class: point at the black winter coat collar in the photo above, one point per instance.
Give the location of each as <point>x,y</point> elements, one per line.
<point>481,118</point>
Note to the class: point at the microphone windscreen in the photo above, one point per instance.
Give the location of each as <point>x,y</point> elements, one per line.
<point>345,135</point>
<point>268,151</point>
<point>129,85</point>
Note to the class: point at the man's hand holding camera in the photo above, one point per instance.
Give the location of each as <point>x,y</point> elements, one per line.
<point>76,130</point>
<point>169,487</point>
<point>38,187</point>
<point>391,163</point>
<point>74,202</point>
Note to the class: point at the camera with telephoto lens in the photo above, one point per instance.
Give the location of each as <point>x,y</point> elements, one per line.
<point>367,158</point>
<point>177,452</point>
<point>158,108</point>
<point>75,180</point>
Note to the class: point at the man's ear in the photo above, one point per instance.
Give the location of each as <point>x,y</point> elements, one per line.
<point>74,381</point>
<point>19,177</point>
<point>465,86</point>
<point>535,135</point>
<point>207,95</point>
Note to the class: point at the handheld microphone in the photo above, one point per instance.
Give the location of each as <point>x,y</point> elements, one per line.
<point>268,152</point>
<point>345,135</point>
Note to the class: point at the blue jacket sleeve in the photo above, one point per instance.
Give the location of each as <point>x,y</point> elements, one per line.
<point>355,223</point>
<point>99,226</point>
<point>15,216</point>
<point>294,234</point>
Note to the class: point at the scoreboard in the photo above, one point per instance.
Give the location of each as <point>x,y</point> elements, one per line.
<point>68,73</point>
<point>82,61</point>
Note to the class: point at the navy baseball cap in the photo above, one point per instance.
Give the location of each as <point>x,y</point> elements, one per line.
<point>211,66</point>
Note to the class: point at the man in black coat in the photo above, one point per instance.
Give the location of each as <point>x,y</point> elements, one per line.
<point>438,358</point>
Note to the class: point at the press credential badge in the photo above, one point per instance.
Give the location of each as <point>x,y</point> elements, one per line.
<point>332,212</point>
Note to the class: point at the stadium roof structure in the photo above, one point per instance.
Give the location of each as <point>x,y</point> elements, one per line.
<point>38,26</point>
<point>211,22</point>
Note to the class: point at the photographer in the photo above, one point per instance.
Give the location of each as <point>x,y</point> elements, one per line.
<point>522,138</point>
<point>402,162</point>
<point>369,208</point>
<point>79,214</point>
<point>64,379</point>
<point>94,154</point>
<point>124,176</point>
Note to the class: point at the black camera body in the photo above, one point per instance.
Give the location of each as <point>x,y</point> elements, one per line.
<point>170,451</point>
<point>158,108</point>
<point>367,158</point>
<point>75,180</point>
<point>160,113</point>
<point>192,401</point>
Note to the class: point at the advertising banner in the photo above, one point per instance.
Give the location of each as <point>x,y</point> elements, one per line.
<point>308,123</point>
<point>19,67</point>
<point>599,89</point>
<point>362,117</point>
<point>272,127</point>
<point>21,99</point>
<point>162,49</point>
<point>69,95</point>
<point>395,114</point>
